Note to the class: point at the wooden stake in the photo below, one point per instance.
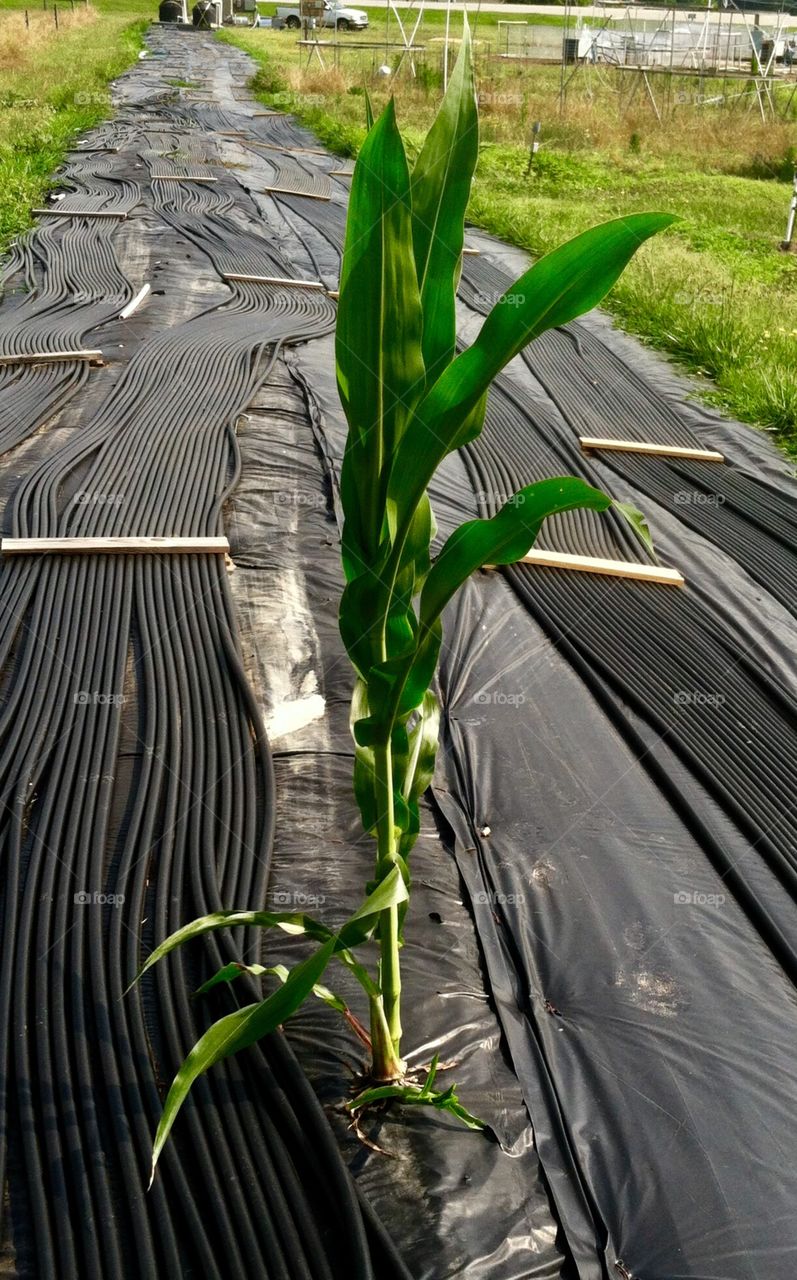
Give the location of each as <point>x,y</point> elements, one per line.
<point>247,279</point>
<point>291,191</point>
<point>595,564</point>
<point>79,213</point>
<point>181,177</point>
<point>655,450</point>
<point>51,357</point>
<point>119,546</point>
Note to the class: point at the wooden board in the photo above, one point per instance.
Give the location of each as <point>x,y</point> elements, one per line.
<point>103,546</point>
<point>79,213</point>
<point>291,191</point>
<point>596,564</point>
<point>277,280</point>
<point>180,177</point>
<point>276,146</point>
<point>654,450</point>
<point>50,357</point>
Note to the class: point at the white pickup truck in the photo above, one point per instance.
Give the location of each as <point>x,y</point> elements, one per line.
<point>335,15</point>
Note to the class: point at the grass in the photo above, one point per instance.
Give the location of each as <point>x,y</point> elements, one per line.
<point>715,291</point>
<point>54,86</point>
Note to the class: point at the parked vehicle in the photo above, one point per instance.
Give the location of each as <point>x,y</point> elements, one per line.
<point>335,15</point>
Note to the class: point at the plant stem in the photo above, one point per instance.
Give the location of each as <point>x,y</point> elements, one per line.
<point>386,1065</point>
<point>389,968</point>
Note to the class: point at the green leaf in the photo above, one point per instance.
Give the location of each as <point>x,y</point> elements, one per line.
<point>638,523</point>
<point>237,1031</point>
<point>369,111</point>
<point>409,1094</point>
<point>503,539</point>
<point>230,972</point>
<point>441,183</point>
<point>390,892</point>
<point>423,740</point>
<point>289,922</point>
<point>380,367</point>
<point>562,285</point>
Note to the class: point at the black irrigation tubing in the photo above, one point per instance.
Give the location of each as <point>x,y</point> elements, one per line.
<point>647,645</point>
<point>753,522</point>
<point>73,283</point>
<point>135,765</point>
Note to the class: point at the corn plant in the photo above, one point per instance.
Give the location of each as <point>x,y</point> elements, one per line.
<point>409,400</point>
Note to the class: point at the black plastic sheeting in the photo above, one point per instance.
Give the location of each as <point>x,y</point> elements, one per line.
<point>613,792</point>
<point>616,774</point>
<point>136,767</point>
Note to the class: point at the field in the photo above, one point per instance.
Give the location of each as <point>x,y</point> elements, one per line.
<point>53,85</point>
<point>716,291</point>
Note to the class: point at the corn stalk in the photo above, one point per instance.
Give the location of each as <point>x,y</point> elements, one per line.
<point>409,400</point>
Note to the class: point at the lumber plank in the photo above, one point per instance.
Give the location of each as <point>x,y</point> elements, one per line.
<point>648,447</point>
<point>291,191</point>
<point>287,282</point>
<point>79,213</point>
<point>597,564</point>
<point>113,545</point>
<point>50,357</point>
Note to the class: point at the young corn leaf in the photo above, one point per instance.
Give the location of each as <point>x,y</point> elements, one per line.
<point>229,972</point>
<point>561,286</point>
<point>416,1095</point>
<point>244,1026</point>
<point>378,337</point>
<point>418,776</point>
<point>441,183</point>
<point>390,892</point>
<point>503,539</point>
<point>237,1031</point>
<point>638,523</point>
